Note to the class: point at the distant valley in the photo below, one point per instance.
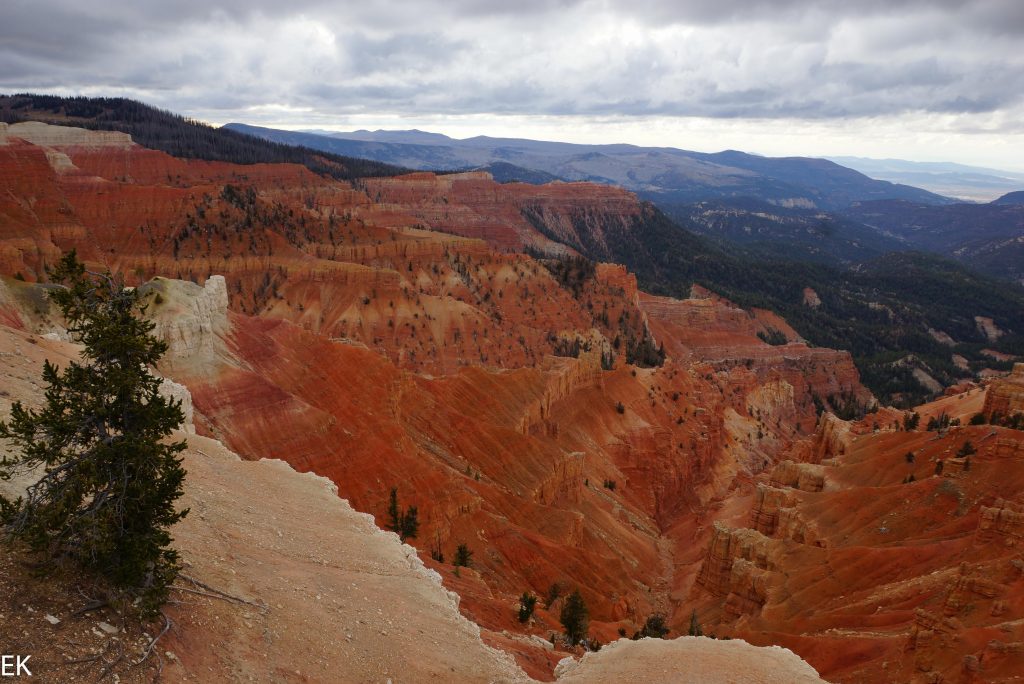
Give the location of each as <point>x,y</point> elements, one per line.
<point>967,183</point>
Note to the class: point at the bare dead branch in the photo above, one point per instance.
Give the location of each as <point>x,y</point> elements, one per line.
<point>92,605</point>
<point>217,593</point>
<point>149,649</point>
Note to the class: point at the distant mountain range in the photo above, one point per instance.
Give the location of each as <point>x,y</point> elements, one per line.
<point>969,183</point>
<point>662,174</point>
<point>796,208</point>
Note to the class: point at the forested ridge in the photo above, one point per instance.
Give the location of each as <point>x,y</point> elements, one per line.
<point>180,136</point>
<point>880,310</point>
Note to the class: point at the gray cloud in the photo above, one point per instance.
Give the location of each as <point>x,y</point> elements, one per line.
<point>803,59</point>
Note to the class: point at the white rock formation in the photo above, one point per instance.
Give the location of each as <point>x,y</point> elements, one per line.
<point>176,391</point>
<point>190,318</point>
<point>39,133</point>
<point>687,660</point>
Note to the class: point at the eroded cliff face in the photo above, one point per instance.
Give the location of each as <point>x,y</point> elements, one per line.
<point>1005,396</point>
<point>387,334</point>
<point>873,566</point>
<point>338,600</point>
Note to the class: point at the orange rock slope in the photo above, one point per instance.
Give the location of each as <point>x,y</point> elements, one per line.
<point>390,334</point>
<point>895,559</point>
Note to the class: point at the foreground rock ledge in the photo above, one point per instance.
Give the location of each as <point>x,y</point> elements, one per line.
<point>688,659</point>
<point>347,602</point>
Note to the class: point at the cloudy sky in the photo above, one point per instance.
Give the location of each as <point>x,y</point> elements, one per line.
<point>915,79</point>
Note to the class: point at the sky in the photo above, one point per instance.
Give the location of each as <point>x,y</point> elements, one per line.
<point>925,80</point>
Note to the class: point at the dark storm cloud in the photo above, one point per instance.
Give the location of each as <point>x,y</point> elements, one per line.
<point>821,59</point>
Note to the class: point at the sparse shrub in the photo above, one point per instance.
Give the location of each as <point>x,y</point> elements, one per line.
<point>609,484</point>
<point>655,627</point>
<point>527,603</point>
<point>437,553</point>
<point>620,407</point>
<point>967,449</point>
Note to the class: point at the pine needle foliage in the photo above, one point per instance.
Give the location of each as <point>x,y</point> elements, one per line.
<point>110,479</point>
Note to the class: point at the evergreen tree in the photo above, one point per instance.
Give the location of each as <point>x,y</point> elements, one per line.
<point>410,524</point>
<point>527,603</point>
<point>655,627</point>
<point>463,556</point>
<point>574,618</point>
<point>106,498</point>
<point>554,593</point>
<point>394,517</point>
<point>406,523</point>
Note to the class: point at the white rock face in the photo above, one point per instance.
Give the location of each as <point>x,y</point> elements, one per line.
<point>39,133</point>
<point>178,392</point>
<point>988,328</point>
<point>191,319</point>
<point>687,660</point>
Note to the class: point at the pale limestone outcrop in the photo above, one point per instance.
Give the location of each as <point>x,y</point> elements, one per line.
<point>177,392</point>
<point>1005,396</point>
<point>191,319</point>
<point>687,659</point>
<point>727,546</point>
<point>806,477</point>
<point>1003,523</point>
<point>45,135</point>
<point>987,327</point>
<point>832,439</point>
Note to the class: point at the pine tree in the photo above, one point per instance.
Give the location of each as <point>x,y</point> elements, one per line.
<point>394,516</point>
<point>404,523</point>
<point>463,556</point>
<point>575,618</point>
<point>527,604</point>
<point>410,524</point>
<point>106,497</point>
